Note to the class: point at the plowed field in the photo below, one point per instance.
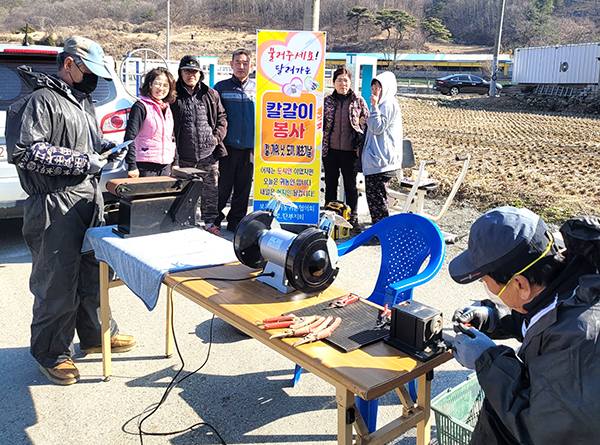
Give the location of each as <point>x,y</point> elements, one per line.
<point>549,163</point>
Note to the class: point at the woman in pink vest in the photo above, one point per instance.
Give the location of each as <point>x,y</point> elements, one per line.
<point>150,125</point>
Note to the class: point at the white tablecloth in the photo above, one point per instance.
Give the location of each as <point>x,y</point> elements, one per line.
<point>142,262</point>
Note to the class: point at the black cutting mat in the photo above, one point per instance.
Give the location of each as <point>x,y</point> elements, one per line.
<point>357,328</point>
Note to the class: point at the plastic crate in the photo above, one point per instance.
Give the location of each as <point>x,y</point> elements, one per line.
<point>456,411</point>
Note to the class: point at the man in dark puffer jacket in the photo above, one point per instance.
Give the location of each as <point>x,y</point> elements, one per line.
<point>200,127</point>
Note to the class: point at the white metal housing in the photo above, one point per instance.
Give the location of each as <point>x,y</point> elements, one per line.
<point>562,64</point>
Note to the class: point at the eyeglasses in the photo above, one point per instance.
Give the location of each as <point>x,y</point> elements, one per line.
<point>78,64</point>
<point>165,86</point>
<point>551,241</point>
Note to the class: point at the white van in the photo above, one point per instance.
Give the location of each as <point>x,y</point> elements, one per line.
<point>112,109</point>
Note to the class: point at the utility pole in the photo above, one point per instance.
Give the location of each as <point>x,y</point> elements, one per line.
<point>168,25</point>
<point>312,9</point>
<point>492,91</point>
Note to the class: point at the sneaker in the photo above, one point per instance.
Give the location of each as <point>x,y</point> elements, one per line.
<point>232,227</point>
<point>119,343</point>
<point>215,230</point>
<point>65,373</point>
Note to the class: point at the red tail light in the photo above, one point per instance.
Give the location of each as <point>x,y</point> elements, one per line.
<point>30,51</point>
<point>114,122</point>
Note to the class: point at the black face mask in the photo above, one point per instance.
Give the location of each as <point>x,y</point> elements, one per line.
<point>88,84</point>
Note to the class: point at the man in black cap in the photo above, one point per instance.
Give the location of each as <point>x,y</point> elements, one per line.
<point>54,139</point>
<point>548,392</point>
<point>200,127</point>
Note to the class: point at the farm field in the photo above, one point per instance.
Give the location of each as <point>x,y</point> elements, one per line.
<point>547,162</point>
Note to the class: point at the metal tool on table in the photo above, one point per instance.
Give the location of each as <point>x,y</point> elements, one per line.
<point>416,329</point>
<point>335,223</point>
<point>306,261</point>
<point>342,301</point>
<point>384,318</point>
<point>156,204</point>
<point>322,331</point>
<point>285,321</point>
<point>302,328</point>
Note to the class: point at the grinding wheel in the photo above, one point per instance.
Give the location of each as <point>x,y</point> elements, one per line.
<point>247,234</point>
<point>308,266</point>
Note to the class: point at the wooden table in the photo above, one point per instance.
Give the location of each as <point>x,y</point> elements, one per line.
<point>369,372</point>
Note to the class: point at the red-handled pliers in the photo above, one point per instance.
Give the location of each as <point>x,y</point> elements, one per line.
<point>343,301</point>
<point>283,321</point>
<point>324,330</point>
<point>384,318</point>
<point>300,327</point>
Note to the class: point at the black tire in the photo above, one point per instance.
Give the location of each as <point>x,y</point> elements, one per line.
<point>454,91</point>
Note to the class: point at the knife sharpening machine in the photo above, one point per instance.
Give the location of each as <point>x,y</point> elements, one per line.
<point>306,261</point>
<point>156,204</point>
<point>416,329</point>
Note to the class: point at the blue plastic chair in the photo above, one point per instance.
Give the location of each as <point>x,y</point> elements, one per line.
<point>407,241</point>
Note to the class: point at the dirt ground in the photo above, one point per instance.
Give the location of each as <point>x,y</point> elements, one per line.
<point>546,162</point>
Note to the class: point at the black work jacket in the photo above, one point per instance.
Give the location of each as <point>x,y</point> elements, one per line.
<point>186,120</point>
<point>549,391</point>
<point>54,115</point>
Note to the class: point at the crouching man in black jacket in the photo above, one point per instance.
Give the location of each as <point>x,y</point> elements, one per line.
<point>548,392</point>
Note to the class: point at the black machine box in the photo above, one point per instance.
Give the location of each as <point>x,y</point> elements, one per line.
<point>417,330</point>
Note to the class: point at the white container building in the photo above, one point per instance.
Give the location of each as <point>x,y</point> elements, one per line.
<point>560,65</point>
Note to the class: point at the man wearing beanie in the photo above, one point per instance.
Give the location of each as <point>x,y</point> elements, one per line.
<point>53,138</point>
<point>200,127</point>
<point>548,391</point>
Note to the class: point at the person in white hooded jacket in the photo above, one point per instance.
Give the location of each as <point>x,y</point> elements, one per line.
<point>382,152</point>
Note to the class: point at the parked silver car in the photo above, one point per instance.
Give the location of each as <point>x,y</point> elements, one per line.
<point>112,109</point>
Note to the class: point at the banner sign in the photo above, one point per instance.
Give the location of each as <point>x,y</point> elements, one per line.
<point>289,121</point>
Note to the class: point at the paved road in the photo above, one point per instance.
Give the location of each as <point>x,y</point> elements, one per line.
<point>243,389</point>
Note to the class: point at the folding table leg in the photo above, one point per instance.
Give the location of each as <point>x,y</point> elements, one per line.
<point>424,401</point>
<point>344,399</point>
<point>169,337</point>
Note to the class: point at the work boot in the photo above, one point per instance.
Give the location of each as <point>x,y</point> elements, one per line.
<point>65,373</point>
<point>119,343</point>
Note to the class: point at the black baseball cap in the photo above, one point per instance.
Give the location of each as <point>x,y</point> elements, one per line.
<point>504,239</point>
<point>190,63</point>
